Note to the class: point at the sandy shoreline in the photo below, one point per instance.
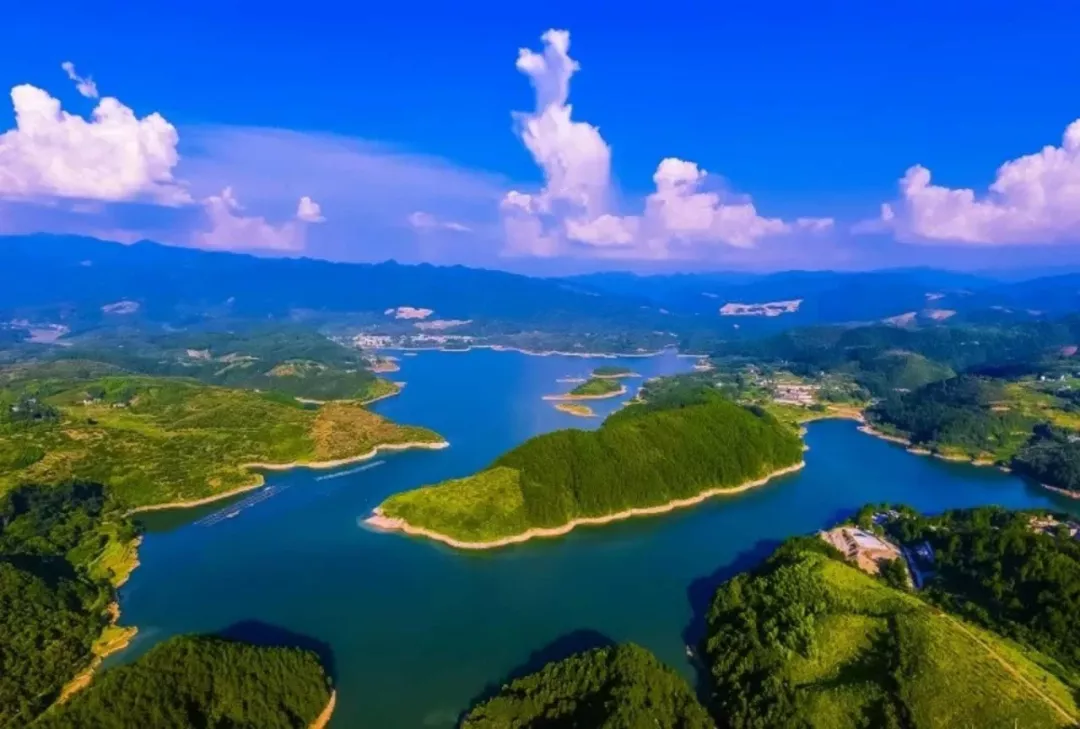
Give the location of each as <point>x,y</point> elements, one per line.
<point>571,398</point>
<point>314,465</point>
<point>398,387</point>
<point>385,523</point>
<point>324,718</point>
<point>614,377</point>
<point>571,409</point>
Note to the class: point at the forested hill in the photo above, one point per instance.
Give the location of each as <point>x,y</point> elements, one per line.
<point>201,681</point>
<point>618,686</point>
<point>643,456</point>
<point>809,641</point>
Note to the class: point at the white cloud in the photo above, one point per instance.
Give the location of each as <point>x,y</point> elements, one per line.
<point>1034,199</point>
<point>309,211</point>
<point>421,221</point>
<point>114,156</point>
<point>230,229</point>
<point>84,86</point>
<point>573,210</point>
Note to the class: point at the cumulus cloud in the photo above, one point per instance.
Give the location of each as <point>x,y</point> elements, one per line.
<point>84,86</point>
<point>309,211</point>
<point>573,210</point>
<point>230,229</point>
<point>421,221</point>
<point>113,156</point>
<point>1033,199</point>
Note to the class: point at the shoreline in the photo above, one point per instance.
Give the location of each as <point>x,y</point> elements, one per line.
<point>533,353</point>
<point>614,377</point>
<point>384,523</point>
<point>571,398</point>
<point>324,717</point>
<point>313,465</point>
<point>83,678</point>
<point>978,462</point>
<point>398,387</point>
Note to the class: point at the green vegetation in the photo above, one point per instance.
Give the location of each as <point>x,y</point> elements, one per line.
<point>62,552</point>
<point>664,451</point>
<point>963,416</point>
<point>997,569</point>
<point>156,440</point>
<point>596,387</point>
<point>612,371</point>
<point>809,641</point>
<point>1052,457</point>
<point>289,360</point>
<point>622,687</point>
<point>201,681</point>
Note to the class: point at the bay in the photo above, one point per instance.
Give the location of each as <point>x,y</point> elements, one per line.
<point>417,631</point>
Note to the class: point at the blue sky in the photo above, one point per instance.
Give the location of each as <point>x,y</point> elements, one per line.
<point>804,110</point>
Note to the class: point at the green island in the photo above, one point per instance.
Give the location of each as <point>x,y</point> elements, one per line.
<point>670,453</point>
<point>612,371</point>
<point>153,441</point>
<point>202,681</point>
<point>617,686</point>
<point>594,388</point>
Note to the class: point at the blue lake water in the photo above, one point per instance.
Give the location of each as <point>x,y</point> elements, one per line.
<point>417,630</point>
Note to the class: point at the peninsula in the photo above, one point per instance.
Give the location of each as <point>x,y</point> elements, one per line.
<point>570,408</point>
<point>155,441</point>
<point>670,455</point>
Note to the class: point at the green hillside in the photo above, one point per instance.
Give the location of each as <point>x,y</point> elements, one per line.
<point>662,454</point>
<point>62,554</point>
<point>201,681</point>
<point>624,686</point>
<point>809,641</point>
<point>290,360</point>
<point>158,440</point>
<point>596,387</point>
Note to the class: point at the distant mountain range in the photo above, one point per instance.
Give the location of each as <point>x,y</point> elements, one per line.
<point>48,276</point>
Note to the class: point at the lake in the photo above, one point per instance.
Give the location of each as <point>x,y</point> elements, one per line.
<point>417,630</point>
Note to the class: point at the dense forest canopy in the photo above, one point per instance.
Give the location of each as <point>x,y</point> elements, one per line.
<point>201,681</point>
<point>995,568</point>
<point>57,576</point>
<point>620,687</point>
<point>967,413</point>
<point>1052,457</point>
<point>662,453</point>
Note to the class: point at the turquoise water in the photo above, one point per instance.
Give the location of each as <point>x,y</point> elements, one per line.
<point>417,630</point>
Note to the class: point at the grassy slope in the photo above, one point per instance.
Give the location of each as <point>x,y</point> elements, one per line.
<point>939,671</point>
<point>180,440</point>
<point>555,478</point>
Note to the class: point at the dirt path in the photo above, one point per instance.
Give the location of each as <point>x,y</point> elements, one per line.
<point>1049,700</point>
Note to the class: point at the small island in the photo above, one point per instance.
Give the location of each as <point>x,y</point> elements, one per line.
<point>613,372</point>
<point>571,408</point>
<point>670,455</point>
<point>595,388</point>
